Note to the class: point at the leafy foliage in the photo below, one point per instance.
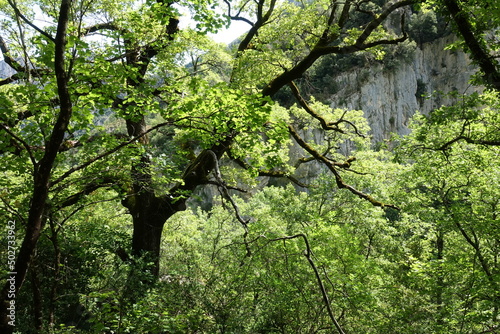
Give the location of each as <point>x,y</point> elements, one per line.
<point>115,118</point>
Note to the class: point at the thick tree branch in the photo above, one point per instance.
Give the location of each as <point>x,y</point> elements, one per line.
<point>486,62</point>
<point>303,103</point>
<point>102,26</point>
<point>379,19</point>
<point>321,49</point>
<point>344,16</point>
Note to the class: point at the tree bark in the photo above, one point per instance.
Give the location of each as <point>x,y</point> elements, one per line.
<point>42,174</point>
<point>486,62</point>
<point>149,215</point>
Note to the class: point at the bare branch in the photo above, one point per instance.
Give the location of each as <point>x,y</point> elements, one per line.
<point>105,154</point>
<point>325,125</point>
<point>310,111</point>
<point>225,194</point>
<point>308,255</point>
<point>28,22</point>
<point>23,143</point>
<point>237,17</point>
<point>332,166</point>
<point>270,173</point>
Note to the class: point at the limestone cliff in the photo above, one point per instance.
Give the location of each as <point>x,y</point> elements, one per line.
<point>389,98</point>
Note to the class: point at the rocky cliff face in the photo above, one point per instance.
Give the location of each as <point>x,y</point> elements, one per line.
<point>389,98</point>
<point>5,70</point>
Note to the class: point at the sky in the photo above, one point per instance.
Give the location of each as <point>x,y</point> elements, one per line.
<point>236,29</point>
<point>225,36</point>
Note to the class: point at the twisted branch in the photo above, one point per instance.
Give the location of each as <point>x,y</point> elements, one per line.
<point>332,166</point>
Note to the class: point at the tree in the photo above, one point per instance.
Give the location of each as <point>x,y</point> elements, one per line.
<point>67,81</point>
<point>475,24</point>
<point>453,157</point>
<point>453,191</point>
<point>42,169</point>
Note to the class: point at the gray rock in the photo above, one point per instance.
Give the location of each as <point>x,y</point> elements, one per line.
<point>389,98</point>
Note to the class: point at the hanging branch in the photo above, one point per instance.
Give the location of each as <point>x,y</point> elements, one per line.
<point>269,173</point>
<point>334,126</point>
<point>308,256</point>
<point>332,166</point>
<point>225,193</point>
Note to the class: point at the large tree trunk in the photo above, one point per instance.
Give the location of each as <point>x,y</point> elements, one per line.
<point>150,212</point>
<point>149,215</point>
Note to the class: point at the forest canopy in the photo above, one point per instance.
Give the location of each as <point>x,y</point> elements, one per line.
<point>155,181</point>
